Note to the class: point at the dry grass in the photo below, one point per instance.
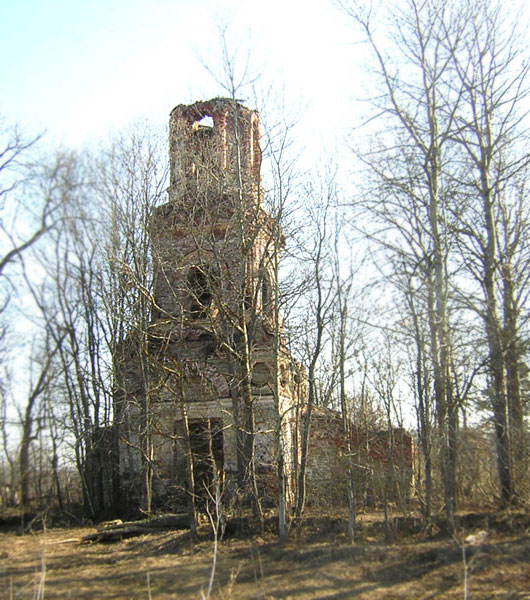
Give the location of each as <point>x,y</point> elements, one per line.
<point>315,564</point>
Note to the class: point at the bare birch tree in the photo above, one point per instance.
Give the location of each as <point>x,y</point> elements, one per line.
<point>408,170</point>
<point>492,70</point>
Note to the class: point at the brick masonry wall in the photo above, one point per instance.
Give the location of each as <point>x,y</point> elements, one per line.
<point>383,462</point>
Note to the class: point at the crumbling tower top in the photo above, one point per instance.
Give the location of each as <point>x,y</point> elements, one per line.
<point>214,146</point>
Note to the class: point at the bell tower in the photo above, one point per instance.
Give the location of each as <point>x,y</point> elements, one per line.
<point>219,372</point>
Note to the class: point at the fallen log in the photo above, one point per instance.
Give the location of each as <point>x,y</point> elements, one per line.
<point>117,531</point>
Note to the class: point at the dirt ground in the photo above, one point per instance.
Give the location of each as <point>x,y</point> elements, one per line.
<point>317,562</point>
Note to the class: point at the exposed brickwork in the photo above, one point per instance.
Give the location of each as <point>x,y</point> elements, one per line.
<point>383,461</point>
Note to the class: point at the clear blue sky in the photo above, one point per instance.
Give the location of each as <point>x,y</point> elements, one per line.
<point>81,68</point>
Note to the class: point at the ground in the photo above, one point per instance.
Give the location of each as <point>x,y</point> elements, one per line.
<point>317,562</point>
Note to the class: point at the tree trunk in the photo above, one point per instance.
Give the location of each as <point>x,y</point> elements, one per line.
<point>190,476</point>
<point>513,361</point>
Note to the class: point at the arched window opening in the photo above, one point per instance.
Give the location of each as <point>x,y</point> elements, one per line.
<point>200,293</point>
<point>203,125</point>
<point>201,146</point>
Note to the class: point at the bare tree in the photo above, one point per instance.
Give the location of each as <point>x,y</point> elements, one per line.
<point>31,413</point>
<point>492,70</point>
<point>130,182</point>
<point>447,188</point>
<point>9,475</point>
<point>16,172</point>
<point>321,197</point>
<point>343,301</point>
<point>413,194</point>
<point>97,283</point>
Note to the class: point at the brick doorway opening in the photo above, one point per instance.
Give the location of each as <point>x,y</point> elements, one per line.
<point>206,441</point>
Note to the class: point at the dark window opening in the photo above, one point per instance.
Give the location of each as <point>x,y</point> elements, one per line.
<point>200,293</point>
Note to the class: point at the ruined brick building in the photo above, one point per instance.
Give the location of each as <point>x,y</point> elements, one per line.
<point>211,376</point>
<point>208,387</point>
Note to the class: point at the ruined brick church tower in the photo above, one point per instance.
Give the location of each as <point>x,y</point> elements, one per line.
<point>208,388</point>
